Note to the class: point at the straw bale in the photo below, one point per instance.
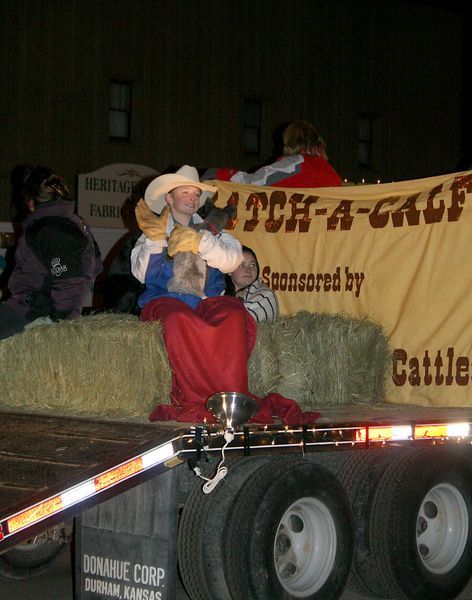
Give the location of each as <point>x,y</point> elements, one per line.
<point>117,366</point>
<point>264,364</point>
<point>322,360</point>
<point>99,365</point>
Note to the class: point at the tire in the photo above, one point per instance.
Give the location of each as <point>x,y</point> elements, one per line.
<point>290,534</point>
<point>34,556</point>
<point>202,530</point>
<point>421,525</point>
<point>360,476</point>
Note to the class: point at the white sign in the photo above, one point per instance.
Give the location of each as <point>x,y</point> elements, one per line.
<point>102,194</point>
<point>122,579</point>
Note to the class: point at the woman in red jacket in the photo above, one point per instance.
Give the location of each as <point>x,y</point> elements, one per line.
<point>304,163</point>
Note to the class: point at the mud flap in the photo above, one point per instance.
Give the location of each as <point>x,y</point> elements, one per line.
<point>126,547</point>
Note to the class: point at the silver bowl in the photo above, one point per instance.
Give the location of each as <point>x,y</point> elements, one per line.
<point>232,409</point>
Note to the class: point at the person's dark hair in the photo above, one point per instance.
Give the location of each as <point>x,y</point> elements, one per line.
<point>41,184</point>
<point>230,289</point>
<point>253,254</point>
<point>300,136</point>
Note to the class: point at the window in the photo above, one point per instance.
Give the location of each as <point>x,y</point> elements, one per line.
<point>252,127</point>
<point>120,110</point>
<point>365,139</point>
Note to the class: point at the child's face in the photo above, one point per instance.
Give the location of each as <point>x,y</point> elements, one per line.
<point>184,200</point>
<point>246,273</point>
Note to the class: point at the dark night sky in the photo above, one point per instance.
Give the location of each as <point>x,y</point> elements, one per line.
<point>457,6</point>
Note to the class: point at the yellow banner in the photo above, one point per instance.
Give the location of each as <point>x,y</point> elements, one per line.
<point>400,253</point>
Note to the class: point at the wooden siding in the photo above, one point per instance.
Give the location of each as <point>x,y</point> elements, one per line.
<point>191,63</point>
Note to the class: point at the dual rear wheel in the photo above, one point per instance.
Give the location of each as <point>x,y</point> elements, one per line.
<point>412,511</point>
<point>289,528</point>
<point>271,529</point>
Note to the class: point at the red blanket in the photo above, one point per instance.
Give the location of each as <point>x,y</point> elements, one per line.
<point>208,350</point>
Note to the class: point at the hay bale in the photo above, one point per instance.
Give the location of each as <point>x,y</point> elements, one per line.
<point>264,365</point>
<point>100,365</point>
<point>117,366</point>
<point>322,360</point>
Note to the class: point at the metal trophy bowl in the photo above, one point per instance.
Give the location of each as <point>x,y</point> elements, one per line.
<point>232,409</point>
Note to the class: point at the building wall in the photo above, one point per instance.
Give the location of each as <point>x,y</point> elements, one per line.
<point>192,62</point>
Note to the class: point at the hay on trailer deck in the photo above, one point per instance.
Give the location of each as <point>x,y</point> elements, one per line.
<point>323,360</point>
<point>100,365</point>
<point>116,366</point>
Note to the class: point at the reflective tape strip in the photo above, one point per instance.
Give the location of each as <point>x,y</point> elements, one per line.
<point>442,430</point>
<point>88,488</point>
<point>431,431</point>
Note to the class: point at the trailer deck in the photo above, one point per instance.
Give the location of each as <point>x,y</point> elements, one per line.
<point>41,456</point>
<point>53,467</point>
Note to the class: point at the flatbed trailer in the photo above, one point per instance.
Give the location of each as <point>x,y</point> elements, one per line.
<point>375,498</point>
<point>342,486</point>
<point>44,456</point>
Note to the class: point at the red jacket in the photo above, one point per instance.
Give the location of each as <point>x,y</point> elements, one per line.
<point>299,171</point>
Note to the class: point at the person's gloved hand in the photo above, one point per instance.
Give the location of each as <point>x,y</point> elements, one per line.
<point>183,239</point>
<point>153,226</point>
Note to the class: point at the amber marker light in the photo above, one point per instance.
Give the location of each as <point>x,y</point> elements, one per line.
<point>444,430</point>
<point>385,434</point>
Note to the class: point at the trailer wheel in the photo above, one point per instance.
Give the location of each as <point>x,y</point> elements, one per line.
<point>34,556</point>
<point>421,526</point>
<point>202,529</point>
<point>290,534</point>
<point>360,476</point>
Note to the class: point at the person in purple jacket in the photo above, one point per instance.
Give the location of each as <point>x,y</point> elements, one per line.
<point>56,260</point>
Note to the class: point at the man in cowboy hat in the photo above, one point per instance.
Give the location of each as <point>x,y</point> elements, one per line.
<point>177,197</point>
<point>208,341</point>
<point>195,330</point>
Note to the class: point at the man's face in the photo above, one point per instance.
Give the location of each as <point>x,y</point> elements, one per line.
<point>184,200</point>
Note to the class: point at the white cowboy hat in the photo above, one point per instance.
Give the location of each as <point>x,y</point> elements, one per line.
<point>160,186</point>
